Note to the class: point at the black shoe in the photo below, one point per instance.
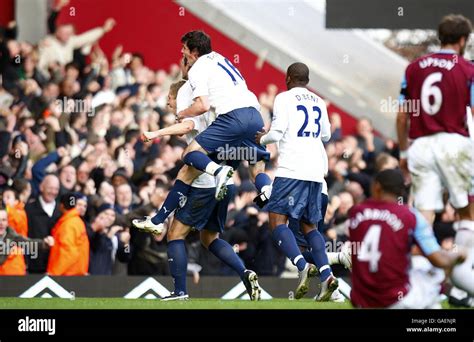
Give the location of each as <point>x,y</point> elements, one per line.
<point>251,284</point>
<point>466,302</point>
<point>261,200</point>
<point>173,296</point>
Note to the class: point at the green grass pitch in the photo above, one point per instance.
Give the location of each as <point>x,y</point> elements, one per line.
<point>201,303</point>
<point>194,303</point>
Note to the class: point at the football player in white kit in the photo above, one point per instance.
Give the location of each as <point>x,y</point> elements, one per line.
<point>216,83</point>
<point>201,211</point>
<point>300,122</point>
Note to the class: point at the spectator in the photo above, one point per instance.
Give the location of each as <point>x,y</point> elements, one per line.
<point>42,213</point>
<point>17,218</point>
<point>70,254</point>
<point>67,178</point>
<point>124,196</point>
<point>12,261</point>
<point>106,242</point>
<point>57,50</point>
<point>365,134</point>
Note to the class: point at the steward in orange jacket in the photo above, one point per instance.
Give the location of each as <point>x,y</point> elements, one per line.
<point>13,247</point>
<point>70,254</point>
<point>17,218</point>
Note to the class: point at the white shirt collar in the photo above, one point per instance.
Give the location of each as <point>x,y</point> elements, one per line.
<point>47,207</point>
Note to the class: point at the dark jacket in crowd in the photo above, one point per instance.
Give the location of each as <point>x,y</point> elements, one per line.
<point>39,226</point>
<point>101,254</point>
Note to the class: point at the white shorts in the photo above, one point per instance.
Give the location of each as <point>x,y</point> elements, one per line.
<point>441,161</point>
<point>463,274</point>
<point>425,286</point>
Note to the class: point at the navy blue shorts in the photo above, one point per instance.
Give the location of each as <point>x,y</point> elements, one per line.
<point>294,225</point>
<point>298,199</point>
<point>203,211</point>
<point>232,136</point>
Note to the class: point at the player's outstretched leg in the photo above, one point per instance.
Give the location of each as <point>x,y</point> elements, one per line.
<point>224,251</point>
<point>335,258</point>
<point>176,198</point>
<point>202,162</point>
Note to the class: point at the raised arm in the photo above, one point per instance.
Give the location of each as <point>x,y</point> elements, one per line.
<point>91,36</point>
<point>177,129</point>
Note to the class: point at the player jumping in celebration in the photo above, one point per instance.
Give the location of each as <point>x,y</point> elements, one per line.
<point>385,231</point>
<point>215,83</point>
<point>300,121</point>
<point>441,155</point>
<point>201,211</point>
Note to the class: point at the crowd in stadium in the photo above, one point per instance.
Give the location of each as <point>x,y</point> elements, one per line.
<point>71,120</point>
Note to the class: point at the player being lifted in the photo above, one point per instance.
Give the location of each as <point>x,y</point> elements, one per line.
<point>441,155</point>
<point>201,211</point>
<point>385,232</point>
<point>300,121</point>
<point>217,84</point>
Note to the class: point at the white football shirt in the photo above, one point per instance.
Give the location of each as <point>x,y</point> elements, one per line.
<point>300,122</point>
<point>184,99</point>
<point>214,76</point>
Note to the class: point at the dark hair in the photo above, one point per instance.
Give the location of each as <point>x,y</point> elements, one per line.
<point>197,40</point>
<point>452,28</point>
<point>69,200</point>
<point>9,188</point>
<point>151,87</point>
<point>162,185</point>
<point>298,72</point>
<point>392,181</point>
<point>72,65</point>
<point>139,56</point>
<point>20,185</point>
<point>131,134</point>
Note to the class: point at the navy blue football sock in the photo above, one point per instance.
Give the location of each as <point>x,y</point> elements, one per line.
<point>178,262</point>
<point>318,250</point>
<point>285,240</point>
<point>202,162</point>
<point>324,207</point>
<point>261,180</point>
<point>221,249</point>
<point>171,202</point>
<point>308,256</point>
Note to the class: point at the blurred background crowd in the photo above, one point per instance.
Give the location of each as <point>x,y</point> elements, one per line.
<point>70,122</point>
